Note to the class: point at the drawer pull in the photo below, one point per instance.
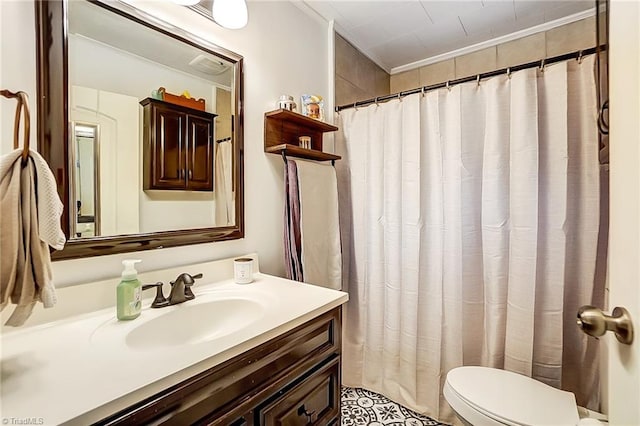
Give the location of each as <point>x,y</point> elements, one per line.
<point>240,422</point>
<point>302,411</point>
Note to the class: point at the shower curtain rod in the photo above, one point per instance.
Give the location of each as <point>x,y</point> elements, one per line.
<point>541,63</point>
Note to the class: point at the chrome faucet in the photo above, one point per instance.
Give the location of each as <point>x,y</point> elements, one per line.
<point>180,291</point>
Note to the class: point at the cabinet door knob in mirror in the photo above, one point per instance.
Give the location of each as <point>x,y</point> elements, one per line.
<point>595,323</point>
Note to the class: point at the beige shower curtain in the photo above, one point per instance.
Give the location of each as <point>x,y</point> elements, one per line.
<point>471,223</point>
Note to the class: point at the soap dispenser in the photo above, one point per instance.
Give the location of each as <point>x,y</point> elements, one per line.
<point>129,291</point>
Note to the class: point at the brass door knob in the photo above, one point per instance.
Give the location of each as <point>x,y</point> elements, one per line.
<point>595,323</point>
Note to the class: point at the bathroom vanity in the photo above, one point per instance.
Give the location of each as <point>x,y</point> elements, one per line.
<point>293,379</point>
<point>264,353</point>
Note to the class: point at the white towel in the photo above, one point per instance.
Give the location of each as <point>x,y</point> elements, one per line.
<point>319,225</point>
<point>30,211</point>
<point>223,185</point>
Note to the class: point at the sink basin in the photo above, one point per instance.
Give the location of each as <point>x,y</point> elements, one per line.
<point>196,323</point>
<point>189,323</point>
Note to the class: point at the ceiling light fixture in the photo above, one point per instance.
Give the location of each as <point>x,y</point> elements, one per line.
<point>230,14</point>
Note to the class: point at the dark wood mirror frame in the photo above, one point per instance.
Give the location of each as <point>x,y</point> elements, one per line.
<point>53,131</point>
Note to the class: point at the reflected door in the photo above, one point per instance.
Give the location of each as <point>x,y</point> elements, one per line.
<point>168,150</point>
<point>85,171</point>
<point>117,159</point>
<point>200,164</point>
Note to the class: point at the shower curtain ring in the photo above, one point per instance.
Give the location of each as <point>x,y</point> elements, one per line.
<point>422,91</point>
<point>399,96</point>
<point>542,65</point>
<point>376,101</point>
<point>509,73</point>
<point>447,86</point>
<point>355,105</point>
<point>478,79</point>
<point>580,57</point>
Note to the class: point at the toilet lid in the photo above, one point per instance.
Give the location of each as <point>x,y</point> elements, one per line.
<point>512,398</point>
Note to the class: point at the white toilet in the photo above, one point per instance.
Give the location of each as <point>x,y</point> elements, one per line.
<point>483,396</point>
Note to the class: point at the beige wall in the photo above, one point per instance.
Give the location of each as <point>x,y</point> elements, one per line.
<point>357,77</point>
<point>565,39</point>
<point>271,70</point>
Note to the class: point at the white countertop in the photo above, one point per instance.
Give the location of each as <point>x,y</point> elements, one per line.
<point>73,371</point>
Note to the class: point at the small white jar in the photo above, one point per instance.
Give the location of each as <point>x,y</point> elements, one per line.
<point>304,142</point>
<point>243,270</point>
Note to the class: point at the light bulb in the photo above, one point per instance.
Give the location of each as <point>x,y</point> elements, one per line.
<point>230,14</point>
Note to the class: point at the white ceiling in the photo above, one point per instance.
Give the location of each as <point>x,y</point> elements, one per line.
<point>397,33</point>
<point>97,23</point>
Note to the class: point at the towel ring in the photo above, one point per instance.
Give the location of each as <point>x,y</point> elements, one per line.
<point>603,126</point>
<point>23,104</point>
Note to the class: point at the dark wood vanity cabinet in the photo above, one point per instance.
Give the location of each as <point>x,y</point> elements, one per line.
<point>178,147</point>
<point>292,380</point>
<point>312,401</point>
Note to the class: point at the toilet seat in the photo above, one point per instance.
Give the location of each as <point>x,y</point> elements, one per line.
<point>489,396</point>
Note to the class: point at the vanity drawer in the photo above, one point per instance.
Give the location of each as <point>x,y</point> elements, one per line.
<point>315,400</point>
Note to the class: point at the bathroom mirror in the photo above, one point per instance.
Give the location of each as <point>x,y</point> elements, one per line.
<point>99,65</point>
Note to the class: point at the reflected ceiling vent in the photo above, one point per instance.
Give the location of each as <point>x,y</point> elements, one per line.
<point>207,65</point>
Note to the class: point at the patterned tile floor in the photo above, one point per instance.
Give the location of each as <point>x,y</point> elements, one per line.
<point>361,407</point>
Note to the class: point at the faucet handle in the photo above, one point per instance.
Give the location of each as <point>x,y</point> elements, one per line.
<point>188,294</point>
<point>160,300</point>
<point>187,279</point>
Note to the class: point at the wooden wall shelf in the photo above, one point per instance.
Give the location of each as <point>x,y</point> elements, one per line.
<point>282,129</point>
<point>296,151</point>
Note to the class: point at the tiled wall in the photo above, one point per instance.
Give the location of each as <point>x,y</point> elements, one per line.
<point>357,77</point>
<point>565,39</point>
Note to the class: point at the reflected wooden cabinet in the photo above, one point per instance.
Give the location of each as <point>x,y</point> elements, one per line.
<point>178,147</point>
